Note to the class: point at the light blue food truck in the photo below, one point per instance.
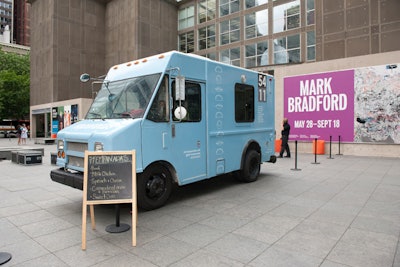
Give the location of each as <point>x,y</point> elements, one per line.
<point>187,117</point>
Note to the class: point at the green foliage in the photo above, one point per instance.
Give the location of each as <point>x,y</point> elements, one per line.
<point>14,86</point>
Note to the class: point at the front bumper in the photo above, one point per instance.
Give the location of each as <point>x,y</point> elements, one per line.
<point>61,176</point>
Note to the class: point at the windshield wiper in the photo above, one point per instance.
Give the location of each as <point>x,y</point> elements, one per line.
<point>122,115</point>
<point>96,115</point>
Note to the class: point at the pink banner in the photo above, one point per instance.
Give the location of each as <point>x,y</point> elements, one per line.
<point>320,105</point>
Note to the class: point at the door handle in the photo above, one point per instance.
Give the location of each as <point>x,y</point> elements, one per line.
<point>173,130</point>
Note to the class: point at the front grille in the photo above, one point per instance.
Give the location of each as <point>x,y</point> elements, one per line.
<point>78,147</point>
<point>76,155</point>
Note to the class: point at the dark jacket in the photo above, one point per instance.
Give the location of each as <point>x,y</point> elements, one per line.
<point>286,129</point>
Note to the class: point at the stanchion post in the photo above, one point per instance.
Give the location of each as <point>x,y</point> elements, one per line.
<point>295,157</point>
<point>330,147</point>
<point>339,147</point>
<point>315,152</point>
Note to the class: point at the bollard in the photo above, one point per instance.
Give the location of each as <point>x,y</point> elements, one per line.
<point>330,147</point>
<point>315,152</point>
<point>339,147</point>
<point>295,157</point>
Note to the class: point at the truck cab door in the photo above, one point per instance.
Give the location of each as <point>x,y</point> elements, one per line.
<point>188,133</point>
<point>178,141</point>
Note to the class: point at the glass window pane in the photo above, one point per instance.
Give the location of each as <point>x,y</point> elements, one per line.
<point>262,22</point>
<point>250,51</point>
<point>250,62</point>
<point>223,10</point>
<point>182,14</point>
<point>224,26</point>
<point>212,56</point>
<point>310,38</point>
<point>211,30</point>
<point>293,22</point>
<point>280,53</point>
<point>293,41</point>
<point>235,7</point>
<point>202,44</point>
<point>235,53</point>
<point>254,3</point>
<point>251,32</point>
<point>235,36</point>
<point>235,24</point>
<point>250,19</point>
<point>310,4</point>
<point>190,11</point>
<point>202,17</point>
<point>190,22</point>
<point>311,53</point>
<point>202,33</point>
<point>294,55</point>
<point>211,42</point>
<point>250,3</point>
<point>224,39</point>
<point>235,63</point>
<point>311,17</point>
<point>244,103</point>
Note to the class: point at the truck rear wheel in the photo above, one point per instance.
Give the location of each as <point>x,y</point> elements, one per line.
<point>154,187</point>
<point>251,167</point>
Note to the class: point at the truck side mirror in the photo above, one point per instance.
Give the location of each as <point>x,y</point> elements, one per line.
<point>180,88</point>
<point>180,113</point>
<point>85,77</point>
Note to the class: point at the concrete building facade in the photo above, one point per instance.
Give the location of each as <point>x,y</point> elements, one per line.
<point>281,37</point>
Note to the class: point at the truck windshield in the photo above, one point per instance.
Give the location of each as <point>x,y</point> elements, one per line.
<point>124,98</point>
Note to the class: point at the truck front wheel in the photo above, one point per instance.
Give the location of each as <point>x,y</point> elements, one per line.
<point>154,187</point>
<point>251,167</point>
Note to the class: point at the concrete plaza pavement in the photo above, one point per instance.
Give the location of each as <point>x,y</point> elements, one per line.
<point>343,211</point>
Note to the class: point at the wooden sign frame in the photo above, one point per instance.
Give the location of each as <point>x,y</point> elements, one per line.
<point>107,185</point>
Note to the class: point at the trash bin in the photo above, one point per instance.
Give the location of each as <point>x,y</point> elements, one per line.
<point>320,147</point>
<point>278,143</point>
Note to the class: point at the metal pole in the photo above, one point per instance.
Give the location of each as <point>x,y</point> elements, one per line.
<point>295,157</point>
<point>339,147</point>
<point>315,152</point>
<point>330,147</point>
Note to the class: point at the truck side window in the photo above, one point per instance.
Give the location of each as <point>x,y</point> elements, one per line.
<point>244,103</point>
<point>192,102</point>
<point>159,111</point>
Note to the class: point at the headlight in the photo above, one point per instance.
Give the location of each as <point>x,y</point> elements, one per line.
<point>98,146</point>
<point>60,145</point>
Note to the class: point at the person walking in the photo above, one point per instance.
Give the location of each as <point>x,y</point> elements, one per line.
<point>24,134</point>
<point>285,138</point>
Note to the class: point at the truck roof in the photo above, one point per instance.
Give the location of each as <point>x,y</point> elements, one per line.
<point>158,64</point>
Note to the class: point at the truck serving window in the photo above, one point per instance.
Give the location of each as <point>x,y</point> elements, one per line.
<point>244,103</point>
<point>123,98</point>
<point>192,102</point>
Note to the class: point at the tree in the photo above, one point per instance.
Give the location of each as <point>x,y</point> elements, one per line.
<point>14,86</point>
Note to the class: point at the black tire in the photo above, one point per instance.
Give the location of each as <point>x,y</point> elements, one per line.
<point>154,187</point>
<point>251,167</point>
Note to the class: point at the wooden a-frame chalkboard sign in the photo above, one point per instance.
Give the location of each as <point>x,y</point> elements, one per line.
<point>109,178</point>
